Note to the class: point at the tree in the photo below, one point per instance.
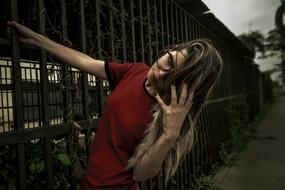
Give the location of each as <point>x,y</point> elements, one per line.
<point>254,40</point>
<point>273,45</point>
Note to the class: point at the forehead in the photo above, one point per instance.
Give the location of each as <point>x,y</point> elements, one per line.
<point>179,56</point>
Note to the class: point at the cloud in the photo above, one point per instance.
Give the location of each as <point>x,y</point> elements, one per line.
<point>237,15</point>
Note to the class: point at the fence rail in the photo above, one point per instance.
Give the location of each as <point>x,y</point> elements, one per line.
<point>41,97</point>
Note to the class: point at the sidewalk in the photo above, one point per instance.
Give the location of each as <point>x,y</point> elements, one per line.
<point>262,164</point>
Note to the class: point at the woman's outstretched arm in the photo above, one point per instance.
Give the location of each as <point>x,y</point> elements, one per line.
<point>70,56</point>
<point>174,115</point>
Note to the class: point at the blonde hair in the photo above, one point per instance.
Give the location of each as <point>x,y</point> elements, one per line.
<point>200,71</point>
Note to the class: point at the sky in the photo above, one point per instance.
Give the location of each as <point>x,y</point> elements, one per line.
<point>242,16</point>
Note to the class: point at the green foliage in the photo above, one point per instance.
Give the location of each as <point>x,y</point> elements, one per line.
<point>64,159</point>
<point>36,178</point>
<point>7,167</point>
<point>204,183</point>
<point>239,131</point>
<point>275,43</point>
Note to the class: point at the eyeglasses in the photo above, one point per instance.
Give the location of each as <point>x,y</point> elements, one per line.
<point>169,61</point>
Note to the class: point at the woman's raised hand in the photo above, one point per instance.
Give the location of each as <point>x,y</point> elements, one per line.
<point>26,35</point>
<point>175,113</point>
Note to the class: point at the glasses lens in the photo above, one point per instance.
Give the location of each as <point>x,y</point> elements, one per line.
<point>170,60</point>
<point>170,64</point>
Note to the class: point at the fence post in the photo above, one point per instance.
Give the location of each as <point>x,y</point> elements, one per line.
<point>141,30</point>
<point>149,32</point>
<point>133,32</point>
<point>123,24</point>
<point>167,23</point>
<point>67,100</point>
<point>18,99</point>
<point>44,95</point>
<point>99,82</point>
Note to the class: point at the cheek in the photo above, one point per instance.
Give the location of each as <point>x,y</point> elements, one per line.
<point>160,86</point>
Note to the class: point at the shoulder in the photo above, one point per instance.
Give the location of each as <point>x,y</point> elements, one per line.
<point>139,66</point>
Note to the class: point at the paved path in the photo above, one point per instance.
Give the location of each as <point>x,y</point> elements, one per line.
<point>262,164</point>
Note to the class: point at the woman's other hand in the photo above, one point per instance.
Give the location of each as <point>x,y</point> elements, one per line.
<point>175,113</point>
<point>26,35</point>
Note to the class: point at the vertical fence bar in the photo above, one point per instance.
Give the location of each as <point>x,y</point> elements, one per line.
<point>214,146</point>
<point>182,21</point>
<point>206,143</point>
<point>202,142</point>
<point>17,99</point>
<point>155,25</point>
<point>217,127</point>
<point>199,30</point>
<point>177,37</point>
<point>84,76</point>
<point>66,76</point>
<point>167,22</point>
<point>45,108</point>
<point>172,22</point>
<point>83,48</point>
<point>209,136</point>
<point>112,32</point>
<point>191,28</point>
<point>99,83</point>
<point>123,24</point>
<point>133,32</point>
<point>149,32</point>
<point>161,24</point>
<point>194,28</point>
<point>186,26</point>
<point>67,97</point>
<point>141,30</point>
<point>188,171</point>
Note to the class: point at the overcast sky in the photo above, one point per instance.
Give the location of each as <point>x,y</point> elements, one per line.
<point>241,16</point>
<point>237,15</point>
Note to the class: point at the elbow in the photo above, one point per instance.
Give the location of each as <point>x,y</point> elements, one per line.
<point>141,176</point>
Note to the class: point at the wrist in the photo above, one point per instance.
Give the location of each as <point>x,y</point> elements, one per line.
<point>171,136</point>
<point>38,39</point>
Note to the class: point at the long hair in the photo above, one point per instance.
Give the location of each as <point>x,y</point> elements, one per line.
<point>200,71</point>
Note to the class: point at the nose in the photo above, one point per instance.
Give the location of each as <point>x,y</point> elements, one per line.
<point>163,73</point>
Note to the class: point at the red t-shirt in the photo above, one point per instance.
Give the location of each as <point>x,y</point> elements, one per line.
<point>126,115</point>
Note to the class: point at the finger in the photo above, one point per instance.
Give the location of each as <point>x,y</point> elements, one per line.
<point>13,24</point>
<point>173,94</point>
<point>25,40</point>
<point>21,28</point>
<point>160,101</point>
<point>183,94</point>
<point>189,100</point>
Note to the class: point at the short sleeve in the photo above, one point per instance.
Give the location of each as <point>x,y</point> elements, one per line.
<point>115,72</point>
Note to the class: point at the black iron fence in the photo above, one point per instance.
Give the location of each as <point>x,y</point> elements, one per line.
<point>40,98</point>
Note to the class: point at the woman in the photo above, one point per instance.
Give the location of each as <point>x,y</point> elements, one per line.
<point>149,118</point>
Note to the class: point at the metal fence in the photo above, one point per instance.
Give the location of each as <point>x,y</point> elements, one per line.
<point>41,97</point>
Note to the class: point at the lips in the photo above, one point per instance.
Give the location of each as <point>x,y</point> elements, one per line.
<point>154,76</point>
